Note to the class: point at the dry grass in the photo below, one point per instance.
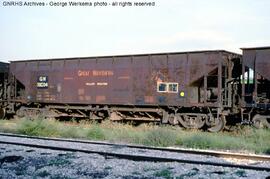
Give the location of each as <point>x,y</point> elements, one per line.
<point>246,139</point>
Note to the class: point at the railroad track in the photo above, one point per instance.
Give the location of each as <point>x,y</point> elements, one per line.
<point>141,157</point>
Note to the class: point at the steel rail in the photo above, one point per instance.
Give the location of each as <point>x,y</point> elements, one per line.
<point>177,150</point>
<point>138,157</point>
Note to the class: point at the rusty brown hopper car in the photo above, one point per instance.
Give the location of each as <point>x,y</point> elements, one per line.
<point>173,79</point>
<point>256,85</point>
<point>193,89</point>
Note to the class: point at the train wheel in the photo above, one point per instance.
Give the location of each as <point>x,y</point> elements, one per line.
<point>261,121</point>
<point>191,122</point>
<point>20,113</point>
<point>173,120</point>
<point>2,113</point>
<point>217,124</point>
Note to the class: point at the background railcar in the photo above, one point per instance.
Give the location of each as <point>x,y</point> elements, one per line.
<point>256,85</point>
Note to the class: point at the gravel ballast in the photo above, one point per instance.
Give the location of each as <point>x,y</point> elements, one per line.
<point>134,151</point>
<point>27,162</point>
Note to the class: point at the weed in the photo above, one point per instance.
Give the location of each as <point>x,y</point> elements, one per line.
<point>196,141</point>
<point>160,137</point>
<point>241,173</point>
<point>58,162</point>
<point>20,170</point>
<point>69,132</point>
<point>68,155</point>
<point>37,127</point>
<point>95,132</point>
<point>165,173</point>
<point>267,151</point>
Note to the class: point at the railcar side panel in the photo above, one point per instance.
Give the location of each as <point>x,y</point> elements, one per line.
<point>176,79</point>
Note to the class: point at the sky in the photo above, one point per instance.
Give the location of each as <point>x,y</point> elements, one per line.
<point>169,26</point>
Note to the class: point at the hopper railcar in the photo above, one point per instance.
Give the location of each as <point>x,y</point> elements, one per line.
<point>255,90</point>
<point>192,89</point>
